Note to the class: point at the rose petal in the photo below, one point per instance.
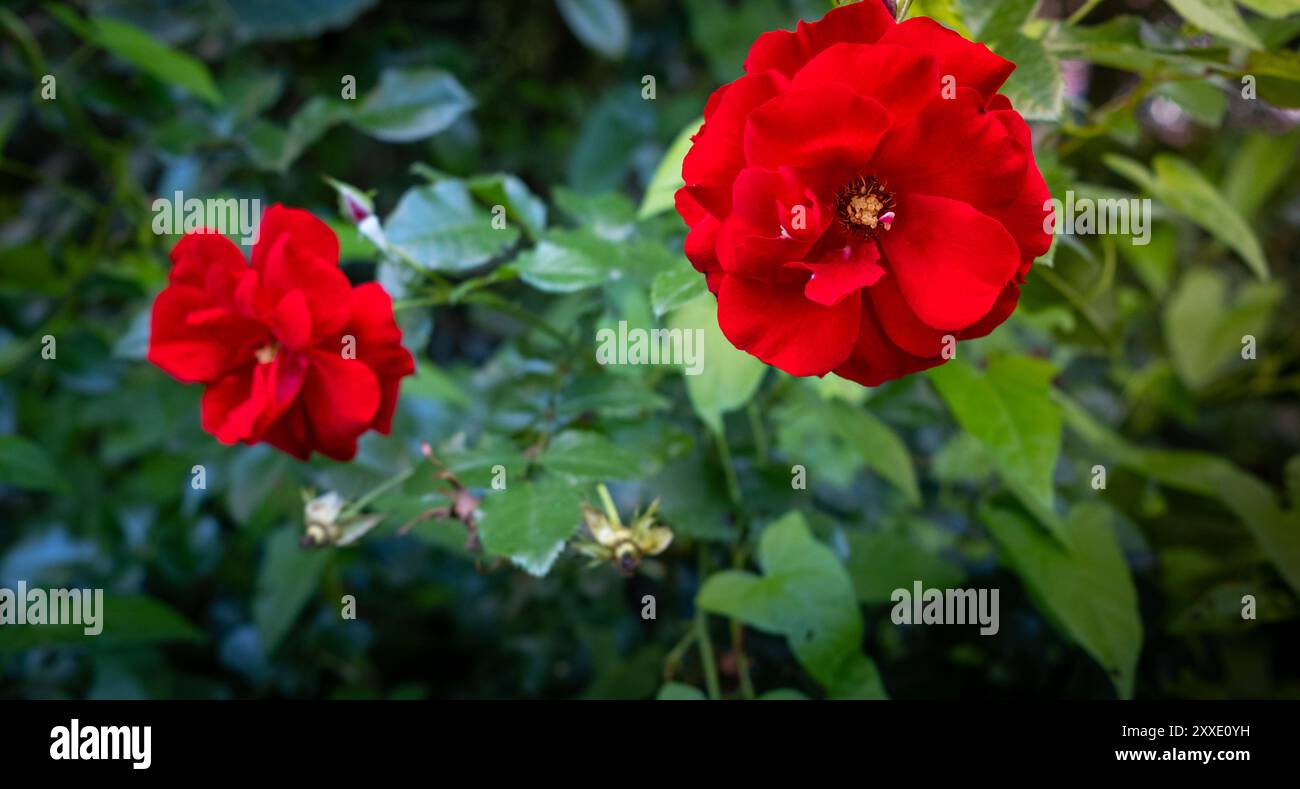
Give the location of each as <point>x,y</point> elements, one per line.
<point>717,154</point>
<point>822,126</point>
<point>949,260</point>
<point>787,52</point>
<point>342,397</point>
<point>903,80</point>
<point>203,350</point>
<point>772,320</point>
<point>837,276</point>
<point>972,65</point>
<point>875,359</point>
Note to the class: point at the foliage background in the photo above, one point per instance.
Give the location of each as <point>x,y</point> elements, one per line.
<point>977,474</point>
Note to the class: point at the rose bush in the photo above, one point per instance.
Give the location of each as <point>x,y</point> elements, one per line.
<point>289,352</point>
<point>862,192</point>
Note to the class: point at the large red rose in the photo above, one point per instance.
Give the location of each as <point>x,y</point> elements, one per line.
<point>862,192</point>
<point>289,351</point>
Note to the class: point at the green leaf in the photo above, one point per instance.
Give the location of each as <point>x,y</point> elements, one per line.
<point>995,20</point>
<point>1009,409</point>
<point>1219,17</point>
<point>1178,184</point>
<point>1273,8</point>
<point>805,595</point>
<point>126,621</point>
<point>155,58</point>
<point>676,691</point>
<point>1277,531</point>
<point>1204,328</point>
<point>675,287</point>
<point>273,148</point>
<point>529,522</point>
<point>25,464</point>
<point>289,19</point>
<point>411,104</point>
<point>288,578</point>
<point>880,562</point>
<point>439,227</point>
<point>601,25</point>
<point>728,377</point>
<point>566,261</point>
<point>878,444</point>
<point>1035,88</point>
<point>660,195</point>
<point>783,694</point>
<point>1085,590</point>
<point>1205,102</point>
<point>587,455</point>
<point>511,193</point>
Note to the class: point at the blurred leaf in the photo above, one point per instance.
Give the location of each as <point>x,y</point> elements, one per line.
<point>126,621</point>
<point>1219,17</point>
<point>289,19</point>
<point>1258,165</point>
<point>1205,102</point>
<point>512,194</point>
<point>1035,87</point>
<point>288,578</point>
<point>1085,590</point>
<point>728,377</point>
<point>879,446</point>
<point>439,227</point>
<point>660,195</point>
<point>679,285</point>
<point>1277,531</point>
<point>1273,8</point>
<point>155,58</point>
<point>411,104</point>
<point>569,260</point>
<point>880,562</point>
<point>587,455</point>
<point>805,595</point>
<point>1178,184</point>
<point>1009,409</point>
<point>1205,329</point>
<point>994,20</point>
<point>676,691</point>
<point>601,25</point>
<point>529,522</point>
<point>24,464</point>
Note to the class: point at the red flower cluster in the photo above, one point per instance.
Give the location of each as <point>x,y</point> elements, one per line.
<point>862,192</point>
<point>289,351</point>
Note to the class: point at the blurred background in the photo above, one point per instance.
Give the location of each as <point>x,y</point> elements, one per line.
<point>543,107</point>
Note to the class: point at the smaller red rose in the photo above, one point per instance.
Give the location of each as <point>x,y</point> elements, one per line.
<point>289,352</point>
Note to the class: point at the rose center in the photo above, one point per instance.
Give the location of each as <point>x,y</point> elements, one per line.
<point>266,354</point>
<point>865,207</point>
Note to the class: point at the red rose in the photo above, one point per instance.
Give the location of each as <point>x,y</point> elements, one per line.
<point>860,193</point>
<point>290,353</point>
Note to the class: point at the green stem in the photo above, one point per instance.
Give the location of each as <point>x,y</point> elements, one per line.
<point>760,433</point>
<point>360,504</point>
<point>728,469</point>
<point>902,10</point>
<point>706,655</point>
<point>742,660</point>
<point>1082,11</point>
